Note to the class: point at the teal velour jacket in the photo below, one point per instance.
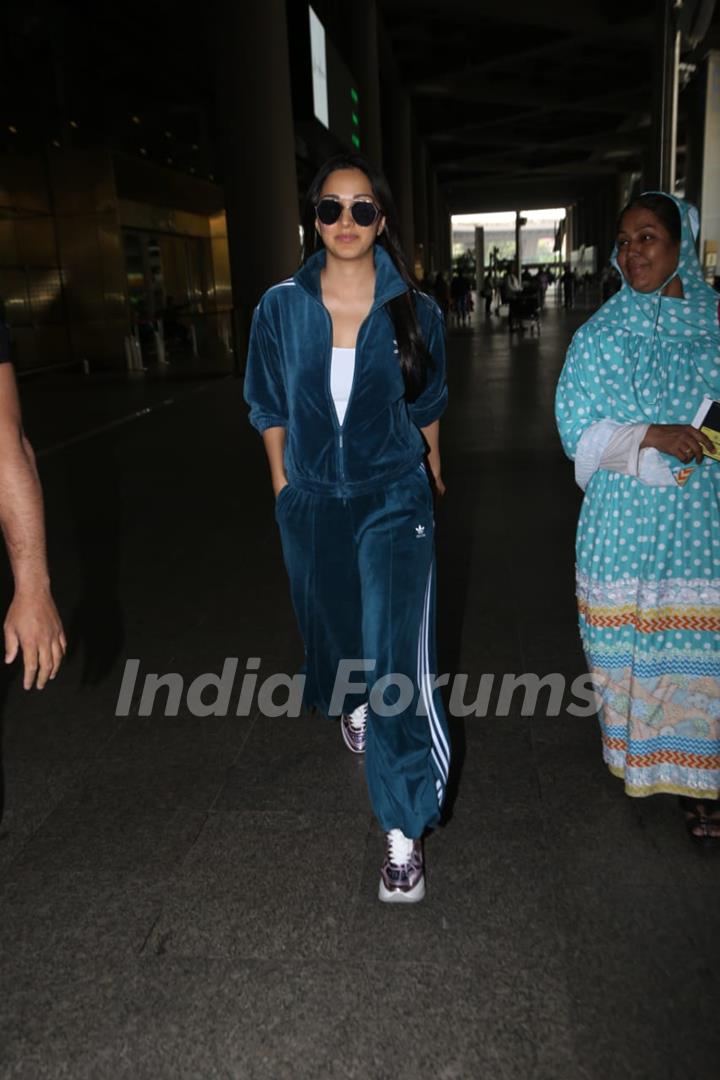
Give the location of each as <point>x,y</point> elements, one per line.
<point>287,384</point>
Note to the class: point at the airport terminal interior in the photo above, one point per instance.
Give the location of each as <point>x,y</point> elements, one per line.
<point>189,892</point>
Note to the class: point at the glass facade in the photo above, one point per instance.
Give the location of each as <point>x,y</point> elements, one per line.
<point>78,262</point>
<point>538,235</point>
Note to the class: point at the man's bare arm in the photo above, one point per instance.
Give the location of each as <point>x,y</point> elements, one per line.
<point>32,624</point>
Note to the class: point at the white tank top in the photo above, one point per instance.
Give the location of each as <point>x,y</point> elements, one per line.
<point>342,370</point>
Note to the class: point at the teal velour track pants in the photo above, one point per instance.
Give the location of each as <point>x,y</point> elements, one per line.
<point>362,576</point>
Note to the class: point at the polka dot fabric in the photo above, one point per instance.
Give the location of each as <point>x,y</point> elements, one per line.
<point>648,558</point>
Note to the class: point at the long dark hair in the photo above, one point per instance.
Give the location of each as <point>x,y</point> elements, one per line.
<point>415,358</point>
<point>664,209</point>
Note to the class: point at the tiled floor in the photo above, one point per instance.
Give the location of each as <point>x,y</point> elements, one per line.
<point>186,896</point>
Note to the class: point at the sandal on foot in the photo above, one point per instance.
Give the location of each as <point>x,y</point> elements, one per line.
<point>702,814</point>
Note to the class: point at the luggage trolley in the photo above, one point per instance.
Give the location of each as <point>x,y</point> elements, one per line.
<point>524,309</point>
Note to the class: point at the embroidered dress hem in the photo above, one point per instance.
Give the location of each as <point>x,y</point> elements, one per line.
<point>640,792</point>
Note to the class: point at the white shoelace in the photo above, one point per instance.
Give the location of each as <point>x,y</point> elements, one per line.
<point>358,717</point>
<point>400,848</point>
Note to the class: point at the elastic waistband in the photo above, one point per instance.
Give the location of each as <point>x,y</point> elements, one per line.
<point>349,491</point>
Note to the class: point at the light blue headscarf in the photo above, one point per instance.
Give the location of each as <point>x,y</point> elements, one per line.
<point>644,357</point>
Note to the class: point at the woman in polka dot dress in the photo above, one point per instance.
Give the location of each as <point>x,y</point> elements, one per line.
<point>648,542</point>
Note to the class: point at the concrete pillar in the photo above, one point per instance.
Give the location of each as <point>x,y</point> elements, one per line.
<point>444,234</point>
<point>363,45</point>
<point>420,205</point>
<point>710,192</point>
<point>693,100</point>
<point>432,223</point>
<point>441,258</point>
<point>436,225</point>
<point>479,256</point>
<point>665,98</point>
<point>608,225</point>
<point>518,245</point>
<point>250,46</point>
<point>624,191</point>
<point>570,243</point>
<point>397,155</point>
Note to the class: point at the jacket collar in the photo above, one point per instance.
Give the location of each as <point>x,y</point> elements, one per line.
<point>388,282</point>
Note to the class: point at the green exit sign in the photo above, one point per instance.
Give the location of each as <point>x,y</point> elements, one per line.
<point>354,136</point>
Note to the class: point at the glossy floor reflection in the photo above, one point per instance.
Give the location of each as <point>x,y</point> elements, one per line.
<point>187,896</point>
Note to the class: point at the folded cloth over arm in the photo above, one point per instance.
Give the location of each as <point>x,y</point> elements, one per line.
<point>616,447</point>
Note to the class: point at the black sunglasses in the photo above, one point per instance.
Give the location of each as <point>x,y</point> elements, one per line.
<point>364,213</point>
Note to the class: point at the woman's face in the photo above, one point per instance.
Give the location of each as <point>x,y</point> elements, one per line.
<point>346,239</point>
<point>647,253</point>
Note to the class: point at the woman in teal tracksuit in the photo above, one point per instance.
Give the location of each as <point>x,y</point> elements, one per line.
<point>346,383</point>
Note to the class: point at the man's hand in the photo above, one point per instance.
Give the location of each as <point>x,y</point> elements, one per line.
<point>683,441</point>
<point>33,627</point>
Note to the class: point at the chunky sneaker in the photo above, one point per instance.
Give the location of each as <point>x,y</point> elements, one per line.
<point>402,878</point>
<point>354,729</point>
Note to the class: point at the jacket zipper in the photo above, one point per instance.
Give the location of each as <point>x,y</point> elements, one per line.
<point>328,392</point>
<point>341,442</point>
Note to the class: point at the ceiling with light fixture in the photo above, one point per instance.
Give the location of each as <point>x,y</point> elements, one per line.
<point>527,103</point>
<point>524,104</point>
